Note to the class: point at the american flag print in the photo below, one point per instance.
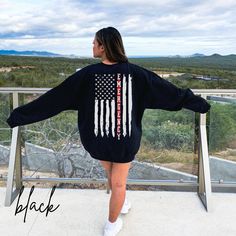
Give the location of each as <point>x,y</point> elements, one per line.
<point>113,105</point>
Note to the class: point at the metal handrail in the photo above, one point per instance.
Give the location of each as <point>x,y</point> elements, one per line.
<point>204,185</point>
<point>42,90</point>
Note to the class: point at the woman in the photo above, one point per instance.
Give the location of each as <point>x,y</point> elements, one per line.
<point>110,98</point>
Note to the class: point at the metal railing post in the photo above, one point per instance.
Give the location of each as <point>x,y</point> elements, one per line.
<point>204,179</point>
<point>15,161</point>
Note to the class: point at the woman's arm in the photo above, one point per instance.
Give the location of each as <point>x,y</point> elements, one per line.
<point>64,96</point>
<point>162,94</point>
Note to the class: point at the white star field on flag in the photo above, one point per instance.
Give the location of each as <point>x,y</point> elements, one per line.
<point>105,86</point>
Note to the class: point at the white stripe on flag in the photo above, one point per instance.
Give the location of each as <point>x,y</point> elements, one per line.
<point>107,117</point>
<point>130,102</point>
<point>124,95</point>
<point>96,118</point>
<point>113,120</point>
<point>101,117</point>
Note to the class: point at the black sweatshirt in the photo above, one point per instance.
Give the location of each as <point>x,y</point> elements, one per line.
<point>110,100</point>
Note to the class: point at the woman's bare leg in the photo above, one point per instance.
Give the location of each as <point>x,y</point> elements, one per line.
<point>119,174</point>
<point>107,165</point>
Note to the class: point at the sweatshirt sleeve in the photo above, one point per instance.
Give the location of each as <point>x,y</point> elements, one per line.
<point>162,94</point>
<point>64,96</point>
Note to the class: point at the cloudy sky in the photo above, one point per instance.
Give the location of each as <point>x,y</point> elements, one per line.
<point>148,27</point>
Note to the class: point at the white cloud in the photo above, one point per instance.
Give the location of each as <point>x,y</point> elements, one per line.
<point>177,27</point>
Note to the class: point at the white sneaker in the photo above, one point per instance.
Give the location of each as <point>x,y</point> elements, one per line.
<point>126,206</point>
<point>112,230</point>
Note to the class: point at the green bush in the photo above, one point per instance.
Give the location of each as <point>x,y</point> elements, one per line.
<point>169,130</point>
<point>222,127</point>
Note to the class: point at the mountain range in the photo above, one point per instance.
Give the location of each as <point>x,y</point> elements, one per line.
<point>50,54</point>
<point>28,53</point>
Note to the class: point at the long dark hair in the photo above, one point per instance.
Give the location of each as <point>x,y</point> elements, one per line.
<point>112,42</point>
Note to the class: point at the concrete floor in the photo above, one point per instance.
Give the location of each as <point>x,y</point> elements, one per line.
<point>83,213</point>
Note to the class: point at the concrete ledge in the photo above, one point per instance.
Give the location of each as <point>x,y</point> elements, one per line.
<point>83,213</point>
<point>222,169</point>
